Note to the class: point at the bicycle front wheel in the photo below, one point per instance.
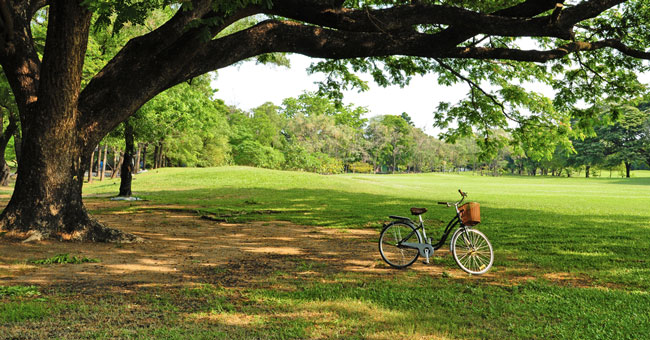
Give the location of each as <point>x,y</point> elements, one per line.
<point>472,251</point>
<point>391,248</point>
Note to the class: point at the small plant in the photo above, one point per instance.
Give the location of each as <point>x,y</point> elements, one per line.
<point>65,259</point>
<point>18,291</point>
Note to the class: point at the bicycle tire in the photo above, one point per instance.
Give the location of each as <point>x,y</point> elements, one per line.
<point>389,240</point>
<point>472,251</point>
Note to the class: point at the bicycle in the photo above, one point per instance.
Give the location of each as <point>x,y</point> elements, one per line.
<point>470,248</point>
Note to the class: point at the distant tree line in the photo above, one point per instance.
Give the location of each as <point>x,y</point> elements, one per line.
<point>183,126</point>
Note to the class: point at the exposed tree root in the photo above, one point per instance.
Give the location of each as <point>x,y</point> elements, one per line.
<point>91,231</point>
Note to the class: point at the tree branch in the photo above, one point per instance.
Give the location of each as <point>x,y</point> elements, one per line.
<point>405,17</point>
<point>474,85</point>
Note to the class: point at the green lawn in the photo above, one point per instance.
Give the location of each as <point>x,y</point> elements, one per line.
<point>598,227</point>
<point>595,230</point>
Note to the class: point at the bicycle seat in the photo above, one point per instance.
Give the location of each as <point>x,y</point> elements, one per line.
<point>418,211</point>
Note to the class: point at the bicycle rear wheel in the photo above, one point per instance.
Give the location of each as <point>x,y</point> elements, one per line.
<point>472,251</point>
<point>390,244</point>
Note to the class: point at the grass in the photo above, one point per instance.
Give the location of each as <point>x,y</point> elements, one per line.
<point>18,291</point>
<point>65,259</point>
<point>595,231</point>
<point>596,227</point>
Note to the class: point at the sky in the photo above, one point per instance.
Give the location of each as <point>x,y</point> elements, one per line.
<point>249,85</point>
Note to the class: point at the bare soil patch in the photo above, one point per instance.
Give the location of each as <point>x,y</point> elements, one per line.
<point>183,249</point>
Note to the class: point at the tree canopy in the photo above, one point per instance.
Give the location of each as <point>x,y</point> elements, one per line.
<point>586,51</point>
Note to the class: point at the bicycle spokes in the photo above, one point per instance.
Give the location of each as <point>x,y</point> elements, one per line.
<point>390,244</point>
<point>472,251</point>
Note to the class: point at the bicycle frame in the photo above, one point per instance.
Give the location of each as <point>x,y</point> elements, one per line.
<point>448,229</point>
<point>423,234</point>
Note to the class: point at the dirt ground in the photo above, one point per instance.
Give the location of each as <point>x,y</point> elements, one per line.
<point>182,248</point>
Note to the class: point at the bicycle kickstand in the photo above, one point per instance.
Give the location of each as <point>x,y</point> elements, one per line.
<point>426,255</point>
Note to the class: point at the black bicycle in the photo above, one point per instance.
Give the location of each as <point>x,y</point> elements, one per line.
<point>402,241</point>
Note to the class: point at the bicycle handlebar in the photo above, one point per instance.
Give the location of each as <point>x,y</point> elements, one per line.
<point>449,204</point>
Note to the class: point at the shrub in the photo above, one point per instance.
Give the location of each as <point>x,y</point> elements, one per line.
<point>361,167</point>
<point>253,153</point>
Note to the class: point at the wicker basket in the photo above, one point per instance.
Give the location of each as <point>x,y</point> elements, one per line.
<point>470,213</point>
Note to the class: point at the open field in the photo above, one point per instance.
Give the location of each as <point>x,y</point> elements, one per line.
<point>293,255</point>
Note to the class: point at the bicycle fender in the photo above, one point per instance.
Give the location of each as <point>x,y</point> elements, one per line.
<point>401,218</point>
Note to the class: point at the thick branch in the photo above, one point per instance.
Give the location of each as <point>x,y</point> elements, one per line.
<point>585,10</point>
<point>141,69</point>
<point>286,36</point>
<point>546,55</point>
<point>400,18</point>
<point>63,58</point>
<point>18,56</point>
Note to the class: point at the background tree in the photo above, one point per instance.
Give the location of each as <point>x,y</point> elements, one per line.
<point>624,140</point>
<point>589,152</point>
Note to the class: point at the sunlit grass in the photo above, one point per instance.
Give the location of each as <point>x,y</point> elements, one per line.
<point>594,233</point>
<point>579,225</point>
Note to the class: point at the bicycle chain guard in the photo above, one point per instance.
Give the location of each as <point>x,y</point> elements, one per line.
<point>420,247</point>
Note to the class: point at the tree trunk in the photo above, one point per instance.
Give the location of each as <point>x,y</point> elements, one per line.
<point>98,163</point>
<point>47,198</point>
<point>90,169</point>
<point>136,167</point>
<point>118,164</point>
<point>155,156</point>
<point>18,144</point>
<point>55,150</point>
<point>587,171</point>
<point>103,170</point>
<point>5,172</point>
<point>628,167</point>
<point>160,158</point>
<point>144,156</point>
<point>126,174</point>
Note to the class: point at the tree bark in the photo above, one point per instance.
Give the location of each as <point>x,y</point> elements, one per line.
<point>46,202</point>
<point>118,164</point>
<point>126,173</point>
<point>90,168</point>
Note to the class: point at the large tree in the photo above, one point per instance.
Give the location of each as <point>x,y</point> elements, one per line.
<point>62,121</point>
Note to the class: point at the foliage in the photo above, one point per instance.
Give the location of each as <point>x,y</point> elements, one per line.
<point>253,153</point>
<point>361,167</point>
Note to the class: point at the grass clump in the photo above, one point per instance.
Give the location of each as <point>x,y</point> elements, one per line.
<point>65,259</point>
<point>19,291</point>
<point>12,312</point>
